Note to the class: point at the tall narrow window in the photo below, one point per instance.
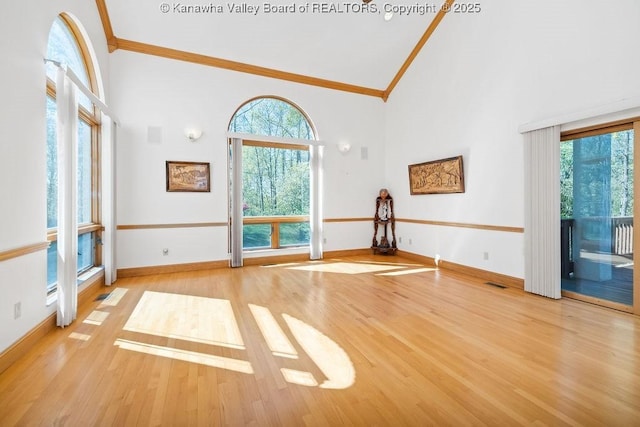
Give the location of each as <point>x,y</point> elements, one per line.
<point>275,176</point>
<point>67,46</point>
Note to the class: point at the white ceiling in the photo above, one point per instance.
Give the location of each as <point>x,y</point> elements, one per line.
<point>356,48</point>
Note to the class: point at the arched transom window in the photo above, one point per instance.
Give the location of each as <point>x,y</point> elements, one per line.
<point>271,116</point>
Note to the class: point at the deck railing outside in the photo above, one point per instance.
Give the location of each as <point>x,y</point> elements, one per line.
<point>621,239</point>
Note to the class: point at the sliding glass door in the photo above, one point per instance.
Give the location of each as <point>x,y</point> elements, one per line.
<point>597,216</point>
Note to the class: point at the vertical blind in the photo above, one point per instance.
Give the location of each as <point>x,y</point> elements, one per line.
<point>542,211</point>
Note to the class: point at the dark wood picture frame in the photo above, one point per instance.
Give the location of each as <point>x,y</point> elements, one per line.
<point>437,176</point>
<point>188,176</point>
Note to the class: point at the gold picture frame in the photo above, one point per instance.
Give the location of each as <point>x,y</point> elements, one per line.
<point>437,176</point>
<point>188,176</point>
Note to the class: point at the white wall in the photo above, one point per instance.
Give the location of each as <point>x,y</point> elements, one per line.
<point>24,28</point>
<point>151,91</point>
<point>479,77</point>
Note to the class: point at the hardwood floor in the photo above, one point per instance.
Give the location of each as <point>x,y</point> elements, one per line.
<point>357,341</point>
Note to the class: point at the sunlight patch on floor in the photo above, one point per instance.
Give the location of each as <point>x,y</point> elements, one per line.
<point>408,271</point>
<point>212,321</point>
<point>186,317</point>
<point>348,267</point>
<point>397,264</point>
<point>332,360</point>
<point>299,377</point>
<point>114,297</point>
<point>96,317</point>
<point>79,336</point>
<point>187,356</point>
<point>284,264</point>
<point>273,334</point>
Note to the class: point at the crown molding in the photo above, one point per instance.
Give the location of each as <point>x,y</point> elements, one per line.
<point>180,55</point>
<point>114,43</point>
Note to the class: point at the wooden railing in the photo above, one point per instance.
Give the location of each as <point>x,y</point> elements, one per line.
<point>622,235</point>
<point>621,239</point>
<point>274,222</point>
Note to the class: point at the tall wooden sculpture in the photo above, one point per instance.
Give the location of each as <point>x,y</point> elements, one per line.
<point>384,217</point>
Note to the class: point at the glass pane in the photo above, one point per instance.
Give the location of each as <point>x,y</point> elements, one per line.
<point>52,267</point>
<point>84,172</point>
<point>256,236</point>
<point>294,234</point>
<point>86,258</point>
<point>84,169</point>
<point>52,165</point>
<point>86,251</point>
<point>63,47</point>
<point>597,216</point>
<point>275,181</point>
<point>273,117</point>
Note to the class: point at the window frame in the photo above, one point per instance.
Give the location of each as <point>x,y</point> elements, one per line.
<point>92,119</point>
<point>632,123</point>
<point>276,220</point>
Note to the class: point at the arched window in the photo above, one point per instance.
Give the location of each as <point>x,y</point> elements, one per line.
<point>67,46</point>
<point>276,191</point>
<point>271,116</point>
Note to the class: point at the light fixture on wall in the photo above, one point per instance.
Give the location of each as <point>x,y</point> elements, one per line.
<point>344,147</point>
<point>193,134</point>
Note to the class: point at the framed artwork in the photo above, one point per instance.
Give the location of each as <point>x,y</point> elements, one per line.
<point>437,176</point>
<point>188,176</point>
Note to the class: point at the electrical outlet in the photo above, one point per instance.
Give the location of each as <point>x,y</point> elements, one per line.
<point>399,239</point>
<point>410,242</point>
<point>165,251</point>
<point>17,310</point>
<point>324,240</point>
<point>486,256</point>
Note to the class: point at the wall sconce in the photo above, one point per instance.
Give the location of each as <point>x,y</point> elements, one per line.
<point>344,147</point>
<point>192,134</point>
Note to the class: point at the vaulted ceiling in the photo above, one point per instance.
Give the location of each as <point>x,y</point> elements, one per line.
<point>340,45</point>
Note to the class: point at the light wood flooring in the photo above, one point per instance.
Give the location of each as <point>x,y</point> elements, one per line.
<point>354,341</point>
